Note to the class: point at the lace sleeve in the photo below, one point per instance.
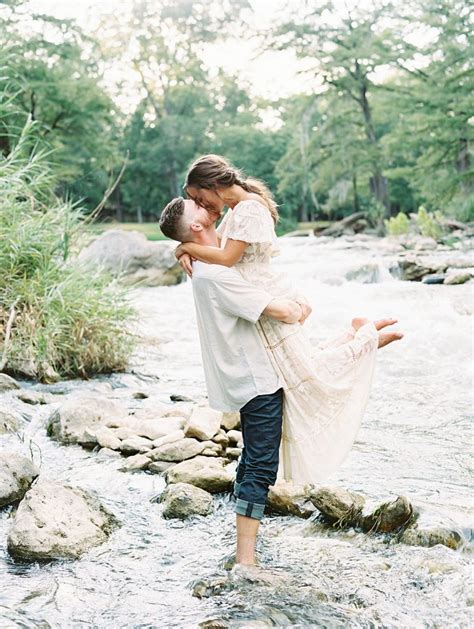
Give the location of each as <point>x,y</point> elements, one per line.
<point>250,222</point>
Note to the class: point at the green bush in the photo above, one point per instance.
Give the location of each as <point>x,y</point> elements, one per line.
<point>397,225</point>
<point>55,318</point>
<point>429,223</point>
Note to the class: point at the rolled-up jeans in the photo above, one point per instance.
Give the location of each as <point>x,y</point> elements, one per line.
<point>261,422</point>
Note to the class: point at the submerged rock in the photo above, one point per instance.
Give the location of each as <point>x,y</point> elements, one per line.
<point>433,536</point>
<point>54,521</point>
<point>182,500</point>
<point>288,499</point>
<point>203,424</point>
<point>17,472</point>
<point>35,397</point>
<point>204,472</point>
<point>68,422</point>
<point>339,506</point>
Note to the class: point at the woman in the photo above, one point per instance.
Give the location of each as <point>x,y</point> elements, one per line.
<point>327,387</point>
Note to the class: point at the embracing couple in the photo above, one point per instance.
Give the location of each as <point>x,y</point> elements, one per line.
<point>300,405</point>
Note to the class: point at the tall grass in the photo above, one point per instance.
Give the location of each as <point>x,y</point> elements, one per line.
<point>56,319</point>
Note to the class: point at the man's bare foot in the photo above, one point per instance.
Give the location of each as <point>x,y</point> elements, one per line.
<point>388,337</point>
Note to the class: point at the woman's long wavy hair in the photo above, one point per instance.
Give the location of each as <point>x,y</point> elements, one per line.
<point>213,171</point>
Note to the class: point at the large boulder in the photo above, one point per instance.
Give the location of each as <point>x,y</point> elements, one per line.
<point>69,421</point>
<point>205,472</point>
<point>17,472</point>
<point>131,253</point>
<point>390,516</point>
<point>54,521</point>
<point>182,500</point>
<point>203,424</point>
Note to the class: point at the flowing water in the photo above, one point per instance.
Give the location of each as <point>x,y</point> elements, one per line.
<point>415,440</point>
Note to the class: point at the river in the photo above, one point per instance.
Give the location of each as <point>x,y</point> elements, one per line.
<point>415,441</point>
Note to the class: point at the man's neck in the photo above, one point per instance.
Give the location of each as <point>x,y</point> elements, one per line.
<point>207,237</point>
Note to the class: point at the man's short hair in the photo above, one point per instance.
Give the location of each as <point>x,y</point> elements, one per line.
<point>172,222</point>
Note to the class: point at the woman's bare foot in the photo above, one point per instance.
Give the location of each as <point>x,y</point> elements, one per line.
<point>383,323</point>
<point>358,322</point>
<point>388,337</point>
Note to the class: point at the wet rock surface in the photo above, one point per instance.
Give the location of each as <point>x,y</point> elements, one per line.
<point>17,472</point>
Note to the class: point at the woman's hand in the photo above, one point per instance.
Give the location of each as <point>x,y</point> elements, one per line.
<point>180,250</point>
<point>185,261</point>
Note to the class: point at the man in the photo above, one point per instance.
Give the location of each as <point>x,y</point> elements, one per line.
<point>238,371</point>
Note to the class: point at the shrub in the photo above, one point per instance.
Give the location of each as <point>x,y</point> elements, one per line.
<point>397,225</point>
<point>55,318</point>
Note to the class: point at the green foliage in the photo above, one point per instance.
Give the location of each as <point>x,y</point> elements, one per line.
<point>429,223</point>
<point>64,321</point>
<point>397,225</point>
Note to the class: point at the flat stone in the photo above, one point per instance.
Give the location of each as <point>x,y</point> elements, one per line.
<point>35,397</point>
<point>107,438</point>
<point>177,435</point>
<point>135,444</point>
<point>177,451</point>
<point>431,537</point>
<point>17,472</point>
<point>158,467</point>
<point>457,278</point>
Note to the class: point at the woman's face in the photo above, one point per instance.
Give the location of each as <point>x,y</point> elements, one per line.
<point>208,199</point>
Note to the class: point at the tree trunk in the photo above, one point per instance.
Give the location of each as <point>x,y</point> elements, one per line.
<point>355,194</point>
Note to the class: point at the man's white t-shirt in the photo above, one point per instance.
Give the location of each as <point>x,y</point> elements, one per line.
<point>236,364</point>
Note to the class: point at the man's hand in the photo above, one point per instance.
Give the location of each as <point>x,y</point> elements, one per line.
<point>185,262</point>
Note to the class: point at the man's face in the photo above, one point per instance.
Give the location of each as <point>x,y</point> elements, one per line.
<point>207,199</point>
<point>200,215</point>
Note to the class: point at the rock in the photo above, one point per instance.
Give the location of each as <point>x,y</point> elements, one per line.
<point>233,453</point>
<point>10,421</point>
<point>457,277</point>
<point>178,450</point>
<point>209,452</point>
<point>365,274</point>
<point>135,463</point>
<point>433,279</point>
<point>221,438</point>
<point>68,422</point>
<point>124,432</point>
<point>17,472</point>
<point>177,435</point>
<point>182,500</point>
<point>203,424</point>
<point>235,438</point>
<point>288,499</point>
<point>204,588</point>
<point>7,383</point>
<point>414,268</point>
<point>158,467</point>
<point>35,397</point>
<point>152,428</point>
<point>390,516</point>
<point>204,472</point>
<point>54,521</point>
<point>135,444</point>
<point>107,438</point>
<point>230,421</point>
<point>140,395</point>
<point>89,439</point>
<point>433,536</point>
<point>139,260</point>
<point>425,243</point>
<point>176,397</point>
<point>339,506</point>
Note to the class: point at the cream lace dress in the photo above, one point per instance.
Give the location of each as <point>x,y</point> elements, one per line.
<point>326,387</point>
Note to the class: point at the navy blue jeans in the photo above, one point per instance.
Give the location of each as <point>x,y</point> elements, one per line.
<point>261,421</point>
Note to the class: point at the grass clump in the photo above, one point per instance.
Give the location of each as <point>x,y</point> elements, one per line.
<point>56,319</point>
